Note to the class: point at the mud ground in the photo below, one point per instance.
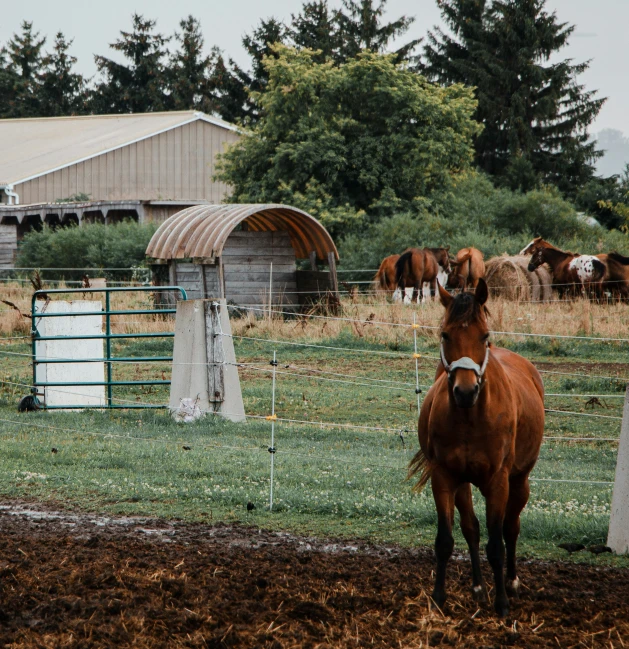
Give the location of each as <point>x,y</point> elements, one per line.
<point>91,581</point>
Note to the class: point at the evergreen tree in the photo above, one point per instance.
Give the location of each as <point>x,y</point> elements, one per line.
<point>361,27</point>
<point>139,86</point>
<point>189,71</point>
<point>62,91</point>
<point>228,85</point>
<point>25,59</point>
<point>535,114</point>
<point>8,85</point>
<point>316,28</point>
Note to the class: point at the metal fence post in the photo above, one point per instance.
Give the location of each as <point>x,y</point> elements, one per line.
<point>273,417</point>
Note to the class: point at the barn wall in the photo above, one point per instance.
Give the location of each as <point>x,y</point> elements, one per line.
<point>247,258</point>
<point>188,276</point>
<point>175,165</point>
<point>8,245</point>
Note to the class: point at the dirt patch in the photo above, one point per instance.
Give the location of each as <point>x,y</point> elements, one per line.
<point>92,581</point>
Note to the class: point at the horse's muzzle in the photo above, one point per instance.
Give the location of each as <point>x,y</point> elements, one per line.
<point>531,267</point>
<point>466,397</point>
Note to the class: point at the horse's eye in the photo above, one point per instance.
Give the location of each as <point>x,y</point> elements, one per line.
<point>485,338</point>
<point>445,336</point>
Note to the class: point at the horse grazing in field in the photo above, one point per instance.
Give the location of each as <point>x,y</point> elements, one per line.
<point>384,279</point>
<point>572,274</point>
<point>481,424</point>
<point>467,268</point>
<point>417,266</point>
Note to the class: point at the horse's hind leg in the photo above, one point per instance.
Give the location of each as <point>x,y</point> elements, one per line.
<point>471,531</point>
<point>518,497</point>
<point>443,493</point>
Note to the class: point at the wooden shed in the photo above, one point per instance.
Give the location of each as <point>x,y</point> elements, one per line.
<point>246,253</point>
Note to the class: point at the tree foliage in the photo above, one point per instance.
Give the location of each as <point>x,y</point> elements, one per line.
<point>535,113</point>
<point>137,87</point>
<point>368,135</point>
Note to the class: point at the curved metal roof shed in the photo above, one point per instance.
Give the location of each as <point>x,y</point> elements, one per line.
<point>246,253</point>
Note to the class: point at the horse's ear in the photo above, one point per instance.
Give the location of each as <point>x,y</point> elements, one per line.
<point>482,292</point>
<point>447,248</point>
<point>444,296</point>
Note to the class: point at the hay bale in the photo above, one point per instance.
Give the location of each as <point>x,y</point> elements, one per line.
<point>509,277</point>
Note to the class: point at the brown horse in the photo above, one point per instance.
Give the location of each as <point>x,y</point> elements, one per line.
<point>616,280</point>
<point>572,274</point>
<point>481,424</point>
<point>419,265</point>
<point>384,279</point>
<point>467,268</point>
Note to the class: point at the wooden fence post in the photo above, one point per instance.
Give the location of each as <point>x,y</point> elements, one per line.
<point>618,537</point>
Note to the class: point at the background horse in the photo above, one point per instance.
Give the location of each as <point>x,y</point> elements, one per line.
<point>416,266</point>
<point>616,280</point>
<point>384,279</point>
<point>481,424</point>
<point>571,273</point>
<point>467,268</point>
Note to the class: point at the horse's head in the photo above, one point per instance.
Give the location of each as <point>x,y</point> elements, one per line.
<point>443,258</point>
<point>465,343</point>
<point>538,257</point>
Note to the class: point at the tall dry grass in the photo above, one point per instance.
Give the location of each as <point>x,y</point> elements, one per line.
<point>369,317</point>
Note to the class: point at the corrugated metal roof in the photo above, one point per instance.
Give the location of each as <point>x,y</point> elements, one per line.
<point>201,231</point>
<point>35,146</point>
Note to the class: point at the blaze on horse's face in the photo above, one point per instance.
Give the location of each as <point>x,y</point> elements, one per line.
<point>537,259</point>
<point>465,333</point>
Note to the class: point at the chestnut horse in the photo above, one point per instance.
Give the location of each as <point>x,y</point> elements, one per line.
<point>416,266</point>
<point>384,279</point>
<point>617,277</point>
<point>467,268</point>
<point>481,424</point>
<point>571,273</point>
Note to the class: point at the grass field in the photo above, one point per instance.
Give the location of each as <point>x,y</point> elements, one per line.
<point>329,480</point>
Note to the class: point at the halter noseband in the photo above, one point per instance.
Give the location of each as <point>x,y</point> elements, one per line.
<point>465,363</point>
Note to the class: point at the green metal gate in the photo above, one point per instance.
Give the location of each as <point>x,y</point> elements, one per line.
<point>107,336</point>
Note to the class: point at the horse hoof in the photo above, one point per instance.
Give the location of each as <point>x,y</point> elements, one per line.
<point>502,608</point>
<point>439,598</point>
<point>480,594</point>
<point>513,587</point>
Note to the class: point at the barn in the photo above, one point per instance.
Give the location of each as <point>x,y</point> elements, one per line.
<point>62,170</point>
<point>246,253</point>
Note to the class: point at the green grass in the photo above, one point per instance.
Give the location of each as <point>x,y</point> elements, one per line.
<point>328,481</point>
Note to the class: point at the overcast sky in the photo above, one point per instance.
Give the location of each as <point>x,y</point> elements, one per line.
<point>600,35</point>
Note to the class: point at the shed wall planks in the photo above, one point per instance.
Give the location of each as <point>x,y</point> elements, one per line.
<point>175,165</point>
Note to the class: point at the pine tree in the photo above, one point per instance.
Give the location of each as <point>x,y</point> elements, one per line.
<point>316,28</point>
<point>535,114</point>
<point>139,86</point>
<point>62,90</point>
<point>259,45</point>
<point>189,71</point>
<point>8,85</point>
<point>361,27</point>
<point>228,85</point>
<point>25,58</point>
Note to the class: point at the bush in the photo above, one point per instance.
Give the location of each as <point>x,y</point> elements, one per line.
<point>92,245</point>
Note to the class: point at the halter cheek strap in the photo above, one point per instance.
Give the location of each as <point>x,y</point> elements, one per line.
<point>465,363</point>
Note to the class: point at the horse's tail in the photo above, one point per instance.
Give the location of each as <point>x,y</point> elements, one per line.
<point>400,265</point>
<point>466,257</point>
<point>419,464</point>
<point>616,256</point>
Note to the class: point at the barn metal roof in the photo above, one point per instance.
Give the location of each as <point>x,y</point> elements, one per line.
<point>202,230</point>
<point>36,146</point>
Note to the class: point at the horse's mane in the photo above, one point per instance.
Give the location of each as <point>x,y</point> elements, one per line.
<point>549,246</point>
<point>465,308</point>
<point>616,256</point>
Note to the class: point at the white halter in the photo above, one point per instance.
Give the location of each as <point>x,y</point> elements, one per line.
<point>465,363</point>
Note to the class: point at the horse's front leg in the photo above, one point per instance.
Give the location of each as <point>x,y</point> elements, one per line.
<point>496,497</point>
<point>443,492</point>
<point>471,531</point>
<point>433,289</point>
<point>518,497</point>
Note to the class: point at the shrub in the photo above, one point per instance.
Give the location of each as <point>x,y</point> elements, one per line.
<point>92,245</point>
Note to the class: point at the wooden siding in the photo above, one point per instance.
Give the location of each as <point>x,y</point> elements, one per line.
<point>247,258</point>
<point>175,165</point>
<point>189,277</point>
<point>8,245</point>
